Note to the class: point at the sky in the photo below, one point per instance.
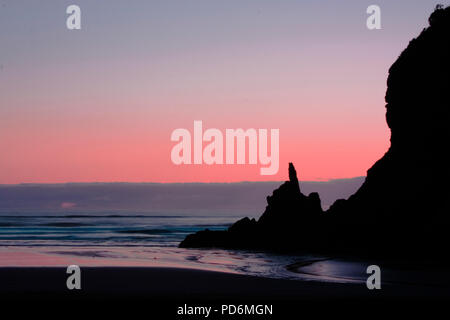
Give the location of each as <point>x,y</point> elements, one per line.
<point>100,103</point>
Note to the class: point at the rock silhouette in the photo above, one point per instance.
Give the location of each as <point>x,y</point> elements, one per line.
<point>287,213</point>
<point>403,205</point>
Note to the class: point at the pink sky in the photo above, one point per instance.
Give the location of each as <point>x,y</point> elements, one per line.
<point>100,104</point>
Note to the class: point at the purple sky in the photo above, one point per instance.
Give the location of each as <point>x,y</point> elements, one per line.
<point>99,104</point>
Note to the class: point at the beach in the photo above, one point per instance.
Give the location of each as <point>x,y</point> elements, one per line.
<point>131,262</point>
<point>177,283</point>
<point>133,258</point>
<point>159,293</point>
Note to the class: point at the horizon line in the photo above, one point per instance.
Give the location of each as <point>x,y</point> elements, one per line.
<point>165,183</point>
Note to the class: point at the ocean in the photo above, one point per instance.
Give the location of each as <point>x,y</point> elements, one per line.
<point>103,229</point>
<point>122,238</point>
<point>109,224</point>
<point>150,239</point>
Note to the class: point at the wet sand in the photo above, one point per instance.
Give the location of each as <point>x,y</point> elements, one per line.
<point>169,283</point>
<point>158,293</point>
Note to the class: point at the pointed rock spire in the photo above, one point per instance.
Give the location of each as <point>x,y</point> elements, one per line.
<point>293,176</point>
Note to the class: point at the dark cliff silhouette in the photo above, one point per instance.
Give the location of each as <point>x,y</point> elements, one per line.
<point>403,205</point>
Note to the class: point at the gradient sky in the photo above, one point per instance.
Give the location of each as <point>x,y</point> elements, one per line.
<point>100,104</point>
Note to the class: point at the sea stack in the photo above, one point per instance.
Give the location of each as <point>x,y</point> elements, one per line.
<point>281,226</point>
